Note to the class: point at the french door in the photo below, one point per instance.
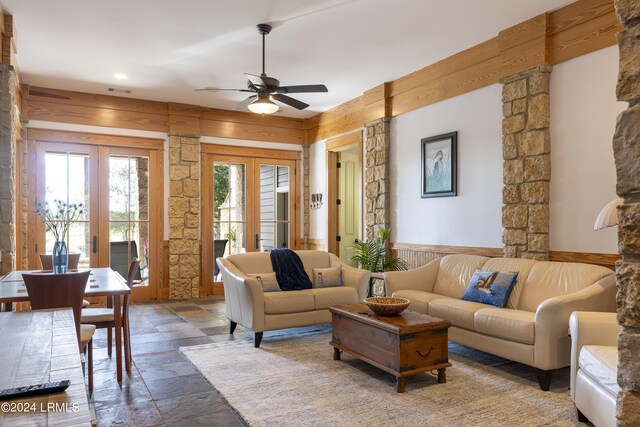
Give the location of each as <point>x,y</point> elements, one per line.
<point>116,185</point>
<point>249,205</point>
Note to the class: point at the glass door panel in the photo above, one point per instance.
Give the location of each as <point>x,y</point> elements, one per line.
<point>66,179</point>
<point>229,208</point>
<point>129,214</point>
<point>274,209</point>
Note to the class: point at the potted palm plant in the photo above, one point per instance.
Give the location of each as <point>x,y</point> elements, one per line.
<point>375,256</point>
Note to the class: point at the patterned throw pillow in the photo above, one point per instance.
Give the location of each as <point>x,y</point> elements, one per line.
<point>268,281</point>
<point>327,277</point>
<point>490,287</point>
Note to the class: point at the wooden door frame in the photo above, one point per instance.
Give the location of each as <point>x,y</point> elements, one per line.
<point>211,152</point>
<point>333,148</point>
<point>119,143</point>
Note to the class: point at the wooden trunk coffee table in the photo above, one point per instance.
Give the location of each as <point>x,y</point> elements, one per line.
<point>402,345</point>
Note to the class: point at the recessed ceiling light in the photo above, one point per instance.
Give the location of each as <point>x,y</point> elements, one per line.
<point>120,76</point>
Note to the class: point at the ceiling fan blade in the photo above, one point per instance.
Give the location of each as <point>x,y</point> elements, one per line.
<point>302,89</point>
<point>289,101</point>
<point>256,80</point>
<point>217,89</point>
<point>243,105</point>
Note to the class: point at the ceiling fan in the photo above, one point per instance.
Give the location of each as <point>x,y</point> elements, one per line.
<point>267,89</point>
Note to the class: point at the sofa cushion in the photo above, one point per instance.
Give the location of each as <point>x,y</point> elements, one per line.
<point>490,287</point>
<point>327,277</point>
<point>600,362</point>
<point>512,325</point>
<point>460,313</point>
<point>419,300</point>
<point>522,265</point>
<point>326,297</point>
<point>288,302</point>
<point>454,273</point>
<point>252,262</point>
<point>551,279</point>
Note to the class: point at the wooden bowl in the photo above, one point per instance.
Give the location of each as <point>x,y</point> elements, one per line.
<point>387,306</point>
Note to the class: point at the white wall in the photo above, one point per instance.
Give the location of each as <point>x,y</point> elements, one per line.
<point>583,176</point>
<point>318,184</point>
<point>474,217</point>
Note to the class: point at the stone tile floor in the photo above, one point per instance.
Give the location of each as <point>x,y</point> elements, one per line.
<point>164,388</point>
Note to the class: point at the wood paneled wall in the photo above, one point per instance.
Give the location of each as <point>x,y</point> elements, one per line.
<point>417,255</point>
<point>112,111</point>
<point>549,38</point>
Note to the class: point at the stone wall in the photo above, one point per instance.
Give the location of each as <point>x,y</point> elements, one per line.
<point>8,129</point>
<point>184,216</point>
<point>626,150</point>
<point>376,179</point>
<point>25,148</point>
<point>527,165</point>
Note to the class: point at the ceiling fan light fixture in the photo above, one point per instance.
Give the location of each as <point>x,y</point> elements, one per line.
<point>263,105</point>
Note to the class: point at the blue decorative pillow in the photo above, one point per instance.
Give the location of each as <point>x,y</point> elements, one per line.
<point>490,287</point>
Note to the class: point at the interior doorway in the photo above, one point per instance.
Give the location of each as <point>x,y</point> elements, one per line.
<point>344,193</point>
<point>349,206</point>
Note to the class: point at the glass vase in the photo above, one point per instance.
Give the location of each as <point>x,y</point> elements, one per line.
<point>60,257</point>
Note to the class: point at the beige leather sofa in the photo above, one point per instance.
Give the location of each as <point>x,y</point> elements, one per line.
<point>532,328</point>
<point>594,366</point>
<point>246,304</point>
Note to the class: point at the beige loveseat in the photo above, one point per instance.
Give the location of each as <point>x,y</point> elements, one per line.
<point>246,304</point>
<point>532,328</point>
<point>594,366</point>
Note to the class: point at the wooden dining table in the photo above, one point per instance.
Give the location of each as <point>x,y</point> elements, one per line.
<point>42,346</point>
<point>103,282</point>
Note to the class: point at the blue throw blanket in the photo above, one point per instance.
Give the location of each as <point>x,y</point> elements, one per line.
<point>289,270</point>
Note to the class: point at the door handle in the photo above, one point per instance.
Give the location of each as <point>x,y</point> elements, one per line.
<point>94,244</point>
<point>257,241</point>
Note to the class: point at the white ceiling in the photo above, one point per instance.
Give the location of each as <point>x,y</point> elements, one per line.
<point>169,48</point>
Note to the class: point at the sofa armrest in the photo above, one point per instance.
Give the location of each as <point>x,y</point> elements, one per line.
<point>244,297</point>
<point>590,328</point>
<point>419,279</point>
<point>353,277</point>
<point>552,349</point>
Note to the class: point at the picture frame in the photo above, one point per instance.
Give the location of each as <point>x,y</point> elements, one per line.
<point>439,165</point>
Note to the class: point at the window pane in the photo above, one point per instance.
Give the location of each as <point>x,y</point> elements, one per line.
<point>119,188</point>
<point>139,184</point>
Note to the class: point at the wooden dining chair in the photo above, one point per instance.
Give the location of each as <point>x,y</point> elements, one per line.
<point>47,291</point>
<point>46,260</point>
<point>103,318</point>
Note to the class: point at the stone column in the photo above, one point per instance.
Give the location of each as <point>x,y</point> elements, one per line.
<point>8,146</point>
<point>184,216</point>
<point>305,196</point>
<point>626,150</point>
<point>25,148</point>
<point>527,165</point>
<point>376,179</point>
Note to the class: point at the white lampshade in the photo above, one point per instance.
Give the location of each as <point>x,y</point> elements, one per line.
<point>263,105</point>
<point>608,216</point>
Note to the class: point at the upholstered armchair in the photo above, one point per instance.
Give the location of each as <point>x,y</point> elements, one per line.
<point>594,366</point>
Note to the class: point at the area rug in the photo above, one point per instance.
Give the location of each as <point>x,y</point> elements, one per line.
<point>294,381</point>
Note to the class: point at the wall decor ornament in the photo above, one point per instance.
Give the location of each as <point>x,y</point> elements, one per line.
<point>439,165</point>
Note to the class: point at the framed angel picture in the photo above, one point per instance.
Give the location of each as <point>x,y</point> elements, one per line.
<point>439,165</point>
